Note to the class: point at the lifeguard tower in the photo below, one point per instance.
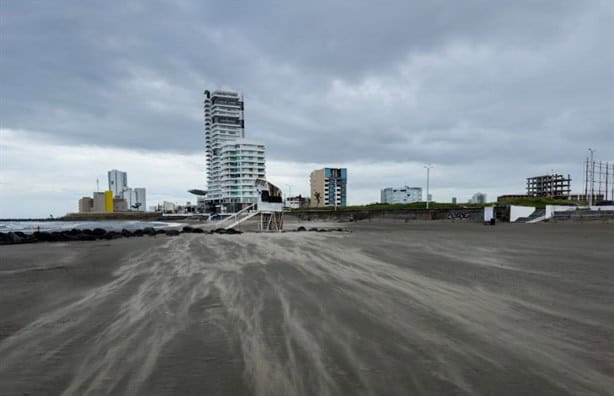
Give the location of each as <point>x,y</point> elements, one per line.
<point>269,206</point>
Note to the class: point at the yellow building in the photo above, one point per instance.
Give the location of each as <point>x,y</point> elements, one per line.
<point>108,201</point>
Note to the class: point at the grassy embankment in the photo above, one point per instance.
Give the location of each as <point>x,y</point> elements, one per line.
<point>536,202</point>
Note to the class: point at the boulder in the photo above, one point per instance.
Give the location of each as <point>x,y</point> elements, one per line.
<point>13,237</point>
<point>301,228</point>
<point>99,232</point>
<point>113,235</point>
<point>198,231</point>
<point>188,229</point>
<point>172,232</point>
<point>42,236</point>
<point>57,236</point>
<point>72,235</point>
<point>149,231</point>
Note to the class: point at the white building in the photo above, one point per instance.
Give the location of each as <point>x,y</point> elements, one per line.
<point>168,207</point>
<point>478,198</point>
<point>140,199</point>
<point>241,163</point>
<point>130,197</point>
<point>118,182</point>
<point>135,198</point>
<point>405,194</point>
<point>233,163</point>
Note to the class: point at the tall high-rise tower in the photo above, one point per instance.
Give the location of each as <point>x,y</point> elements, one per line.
<point>118,182</point>
<point>233,164</point>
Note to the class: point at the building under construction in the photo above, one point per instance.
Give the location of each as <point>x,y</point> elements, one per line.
<point>554,186</point>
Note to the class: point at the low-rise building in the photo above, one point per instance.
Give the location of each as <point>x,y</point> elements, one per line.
<point>168,207</point>
<point>297,202</point>
<point>120,205</point>
<point>99,202</point>
<point>86,205</point>
<point>397,195</point>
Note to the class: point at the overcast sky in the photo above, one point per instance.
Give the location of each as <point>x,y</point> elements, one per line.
<point>488,92</point>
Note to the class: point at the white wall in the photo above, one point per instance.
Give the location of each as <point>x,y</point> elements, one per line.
<point>604,207</point>
<point>517,212</point>
<point>489,213</point>
<point>550,209</point>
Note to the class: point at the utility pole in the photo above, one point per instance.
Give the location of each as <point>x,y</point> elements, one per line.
<point>592,177</point>
<point>428,176</point>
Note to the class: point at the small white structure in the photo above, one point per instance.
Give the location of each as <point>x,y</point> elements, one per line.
<point>489,213</point>
<point>168,207</point>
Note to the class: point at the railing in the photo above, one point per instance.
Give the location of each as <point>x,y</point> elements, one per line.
<point>242,219</point>
<point>235,215</point>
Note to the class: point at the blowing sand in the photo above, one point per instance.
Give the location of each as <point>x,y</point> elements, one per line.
<point>386,309</point>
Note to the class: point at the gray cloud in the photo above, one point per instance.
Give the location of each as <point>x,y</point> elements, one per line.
<point>523,83</point>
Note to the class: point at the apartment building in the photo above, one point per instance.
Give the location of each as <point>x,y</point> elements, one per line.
<point>328,187</point>
<point>233,163</point>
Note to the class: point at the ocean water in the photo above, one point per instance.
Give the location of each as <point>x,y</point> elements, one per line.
<point>32,226</point>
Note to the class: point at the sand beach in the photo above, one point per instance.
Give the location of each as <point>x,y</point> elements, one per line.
<point>385,309</point>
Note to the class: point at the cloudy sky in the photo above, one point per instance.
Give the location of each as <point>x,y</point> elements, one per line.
<point>488,92</point>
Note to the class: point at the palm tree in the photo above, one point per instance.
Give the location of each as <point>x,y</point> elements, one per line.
<point>317,197</point>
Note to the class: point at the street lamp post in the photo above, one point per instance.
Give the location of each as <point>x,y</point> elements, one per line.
<point>428,177</point>
<point>592,178</point>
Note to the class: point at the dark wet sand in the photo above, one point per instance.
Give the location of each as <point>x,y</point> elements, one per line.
<point>387,309</point>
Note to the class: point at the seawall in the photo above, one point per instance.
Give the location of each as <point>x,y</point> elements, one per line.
<point>467,214</point>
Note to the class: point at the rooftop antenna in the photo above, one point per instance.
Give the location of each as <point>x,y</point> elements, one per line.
<point>97,185</point>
